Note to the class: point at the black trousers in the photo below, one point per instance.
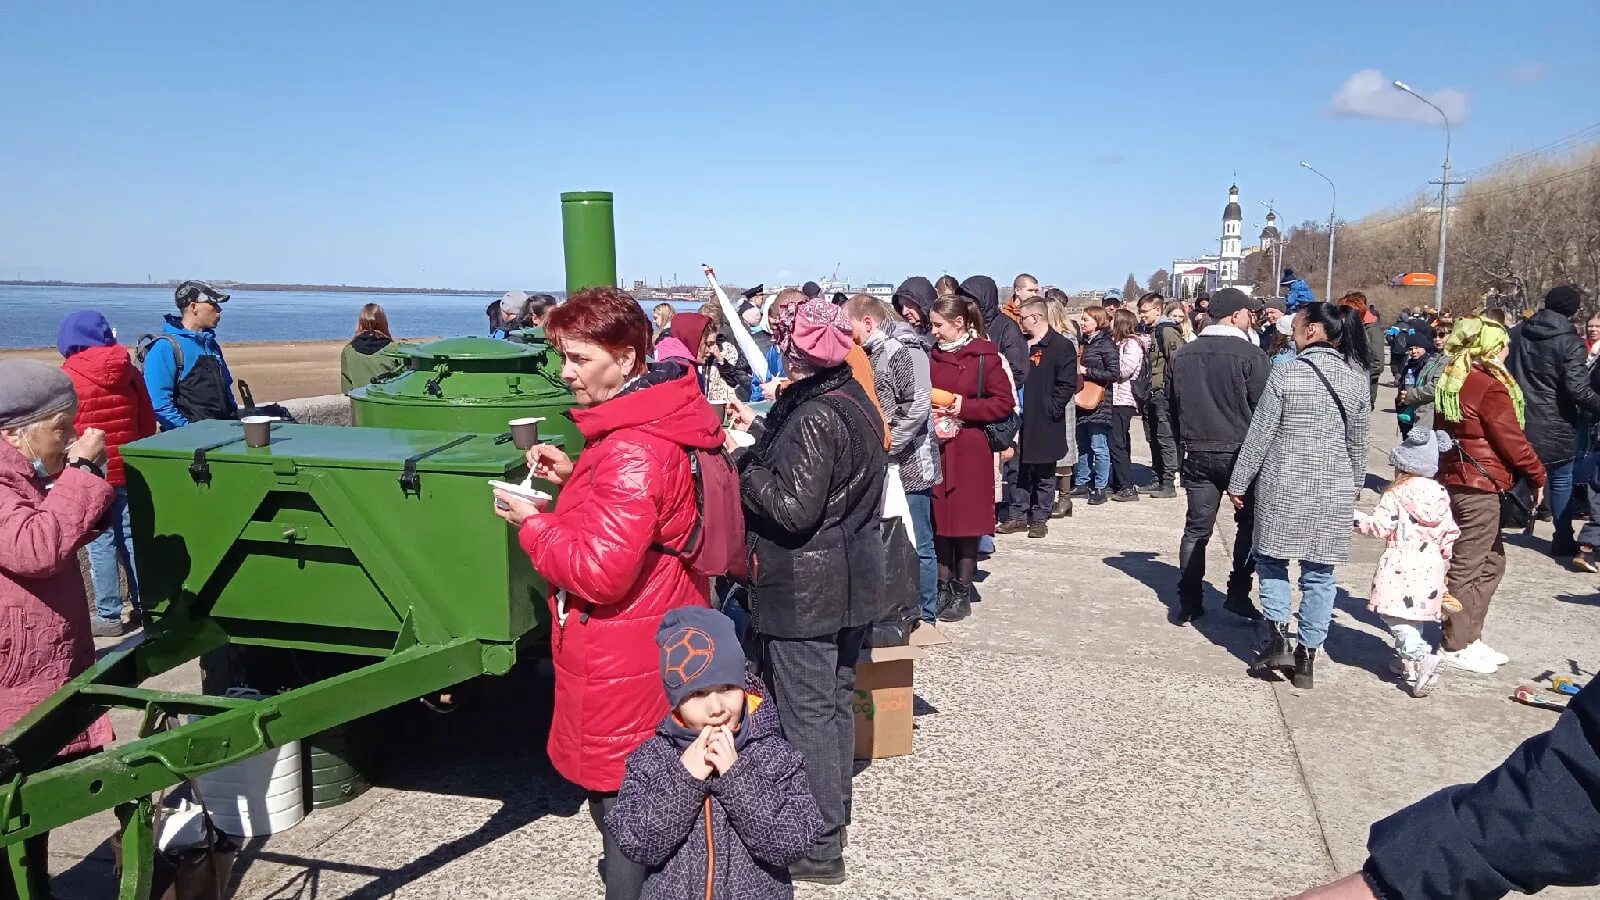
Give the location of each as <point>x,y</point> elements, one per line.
<point>1122,448</point>
<point>1038,482</point>
<point>1158,433</point>
<point>1205,481</point>
<point>624,877</point>
<point>813,682</point>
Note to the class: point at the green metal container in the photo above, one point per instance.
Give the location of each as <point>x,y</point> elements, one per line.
<point>471,384</point>
<point>333,769</point>
<point>347,540</point>
<point>589,240</point>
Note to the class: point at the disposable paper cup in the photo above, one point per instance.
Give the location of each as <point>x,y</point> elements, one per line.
<point>525,432</point>
<point>742,438</point>
<point>257,430</point>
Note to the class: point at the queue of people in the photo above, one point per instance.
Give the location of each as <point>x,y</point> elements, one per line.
<point>978,418</point>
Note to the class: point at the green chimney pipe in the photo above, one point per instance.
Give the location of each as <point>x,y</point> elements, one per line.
<point>589,239</point>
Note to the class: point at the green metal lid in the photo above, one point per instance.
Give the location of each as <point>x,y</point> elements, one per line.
<point>336,447</point>
<point>477,349</point>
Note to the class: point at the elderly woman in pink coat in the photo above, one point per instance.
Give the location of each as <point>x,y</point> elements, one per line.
<point>53,493</point>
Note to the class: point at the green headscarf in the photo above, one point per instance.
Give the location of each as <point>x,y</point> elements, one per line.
<point>1474,340</point>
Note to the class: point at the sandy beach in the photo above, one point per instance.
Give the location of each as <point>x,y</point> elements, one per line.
<point>275,371</point>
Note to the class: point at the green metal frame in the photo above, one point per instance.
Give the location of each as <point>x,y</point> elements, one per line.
<point>229,730</point>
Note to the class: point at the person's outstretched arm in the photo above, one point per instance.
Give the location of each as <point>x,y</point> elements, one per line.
<point>1533,822</point>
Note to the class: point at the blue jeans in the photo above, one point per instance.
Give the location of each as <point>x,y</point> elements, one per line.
<point>1558,488</point>
<point>110,547</point>
<point>1316,596</point>
<point>1094,443</point>
<point>921,503</point>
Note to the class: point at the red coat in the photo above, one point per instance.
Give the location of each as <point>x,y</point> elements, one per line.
<point>631,487</point>
<point>112,398</point>
<point>44,615</point>
<point>963,505</point>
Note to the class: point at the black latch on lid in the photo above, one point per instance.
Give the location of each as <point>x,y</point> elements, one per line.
<point>200,470</point>
<point>410,481</point>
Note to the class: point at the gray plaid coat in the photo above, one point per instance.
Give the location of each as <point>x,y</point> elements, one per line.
<point>1306,462</point>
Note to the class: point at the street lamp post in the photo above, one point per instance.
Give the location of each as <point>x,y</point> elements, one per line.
<point>1444,194</point>
<point>1332,210</point>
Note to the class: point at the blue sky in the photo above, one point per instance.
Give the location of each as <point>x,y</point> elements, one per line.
<point>424,144</point>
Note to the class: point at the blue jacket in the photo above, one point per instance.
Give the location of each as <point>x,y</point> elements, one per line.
<point>1299,295</point>
<point>1530,823</point>
<point>160,369</point>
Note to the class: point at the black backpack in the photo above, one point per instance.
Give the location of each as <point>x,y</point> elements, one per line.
<point>141,349</point>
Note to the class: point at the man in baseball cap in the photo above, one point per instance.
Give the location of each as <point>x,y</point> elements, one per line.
<point>184,371</point>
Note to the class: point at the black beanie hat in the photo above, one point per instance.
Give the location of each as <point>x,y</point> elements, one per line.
<point>1564,299</point>
<point>699,650</point>
<point>1423,339</point>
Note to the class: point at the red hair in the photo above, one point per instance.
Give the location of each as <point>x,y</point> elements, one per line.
<point>1356,301</point>
<point>603,316</point>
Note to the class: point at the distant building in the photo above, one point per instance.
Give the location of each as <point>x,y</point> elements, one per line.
<point>1232,247</point>
<point>1193,277</point>
<point>882,290</point>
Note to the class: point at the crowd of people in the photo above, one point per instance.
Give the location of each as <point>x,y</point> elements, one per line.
<point>717,571</point>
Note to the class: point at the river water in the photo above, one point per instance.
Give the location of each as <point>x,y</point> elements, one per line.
<point>30,316</point>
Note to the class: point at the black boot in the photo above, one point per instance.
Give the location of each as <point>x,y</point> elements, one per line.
<point>960,603</point>
<point>1082,490</point>
<point>1305,659</point>
<point>1242,606</point>
<point>1063,509</point>
<point>1276,651</point>
<point>818,871</point>
<point>942,599</point>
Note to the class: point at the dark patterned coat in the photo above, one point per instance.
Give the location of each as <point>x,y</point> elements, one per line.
<point>740,830</point>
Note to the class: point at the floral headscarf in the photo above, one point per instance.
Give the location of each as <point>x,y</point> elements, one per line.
<point>1474,340</point>
<point>813,332</point>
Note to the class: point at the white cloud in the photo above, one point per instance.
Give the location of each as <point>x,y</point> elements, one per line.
<point>1369,94</point>
<point>1528,73</point>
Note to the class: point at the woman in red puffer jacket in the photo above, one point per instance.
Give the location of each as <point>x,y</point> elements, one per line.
<point>112,398</point>
<point>631,488</point>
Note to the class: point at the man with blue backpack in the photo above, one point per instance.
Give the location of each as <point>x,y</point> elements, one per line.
<point>184,371</point>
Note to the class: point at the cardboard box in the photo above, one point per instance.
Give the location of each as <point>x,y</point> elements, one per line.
<point>928,635</point>
<point>883,701</point>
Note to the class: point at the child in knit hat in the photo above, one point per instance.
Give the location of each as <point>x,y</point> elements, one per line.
<point>716,802</point>
<point>1408,590</point>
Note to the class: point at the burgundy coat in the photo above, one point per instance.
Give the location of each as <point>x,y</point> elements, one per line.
<point>963,505</point>
<point>630,487</point>
<point>44,615</point>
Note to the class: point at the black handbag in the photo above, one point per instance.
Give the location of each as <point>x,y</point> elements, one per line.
<point>1003,433</point>
<point>902,586</point>
<point>1516,511</point>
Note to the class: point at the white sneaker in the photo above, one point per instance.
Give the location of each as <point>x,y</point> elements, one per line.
<point>1468,659</point>
<point>1489,653</point>
<point>1425,675</point>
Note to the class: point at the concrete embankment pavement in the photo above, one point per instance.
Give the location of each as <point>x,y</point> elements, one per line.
<point>1070,743</point>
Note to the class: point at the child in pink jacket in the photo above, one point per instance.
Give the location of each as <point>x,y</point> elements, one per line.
<point>1413,516</point>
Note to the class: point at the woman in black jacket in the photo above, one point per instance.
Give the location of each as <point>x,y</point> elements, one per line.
<point>1098,360</point>
<point>812,488</point>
